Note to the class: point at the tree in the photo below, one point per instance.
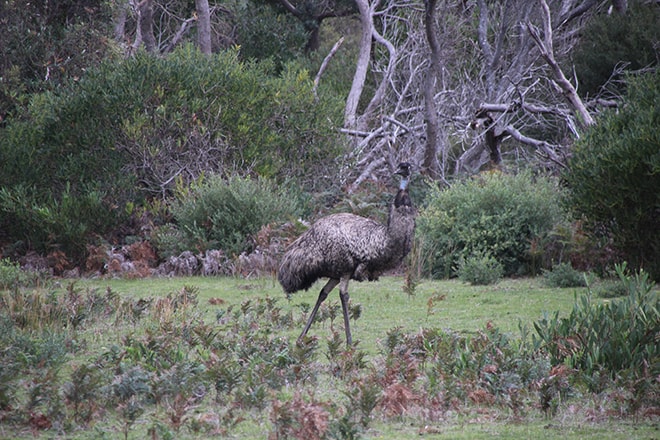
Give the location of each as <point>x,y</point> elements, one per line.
<point>44,44</point>
<point>203,26</point>
<point>312,13</point>
<point>614,174</point>
<point>614,43</point>
<point>162,25</point>
<point>493,66</point>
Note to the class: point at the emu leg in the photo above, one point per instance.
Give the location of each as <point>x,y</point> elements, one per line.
<point>343,295</point>
<point>332,282</point>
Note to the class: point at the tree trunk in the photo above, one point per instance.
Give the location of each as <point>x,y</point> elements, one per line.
<point>431,166</point>
<point>203,26</point>
<point>120,21</point>
<point>147,25</point>
<point>350,118</point>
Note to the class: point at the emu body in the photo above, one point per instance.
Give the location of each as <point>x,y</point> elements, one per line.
<point>344,247</point>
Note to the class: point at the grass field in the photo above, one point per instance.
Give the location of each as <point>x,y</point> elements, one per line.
<point>451,305</point>
<point>464,308</point>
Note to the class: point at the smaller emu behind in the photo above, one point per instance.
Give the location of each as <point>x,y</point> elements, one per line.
<point>344,247</point>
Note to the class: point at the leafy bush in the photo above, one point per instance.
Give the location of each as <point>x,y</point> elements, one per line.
<point>610,289</point>
<point>494,213</point>
<point>563,275</point>
<point>617,338</point>
<point>45,43</point>
<point>66,223</point>
<point>188,115</point>
<point>479,269</point>
<point>13,277</point>
<point>223,214</point>
<point>609,40</point>
<point>614,175</point>
<point>263,34</point>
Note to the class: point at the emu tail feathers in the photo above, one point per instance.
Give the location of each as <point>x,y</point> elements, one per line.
<point>298,271</point>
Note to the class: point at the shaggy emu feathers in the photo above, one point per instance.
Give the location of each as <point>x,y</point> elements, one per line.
<point>345,247</point>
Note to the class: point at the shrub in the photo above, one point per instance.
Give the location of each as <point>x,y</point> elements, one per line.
<point>611,41</point>
<point>188,115</point>
<point>614,175</point>
<point>563,275</point>
<point>13,277</point>
<point>66,223</point>
<point>610,289</point>
<point>479,269</point>
<point>494,213</point>
<point>617,338</point>
<point>224,214</point>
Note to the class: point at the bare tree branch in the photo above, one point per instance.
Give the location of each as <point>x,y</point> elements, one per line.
<point>431,166</point>
<point>366,20</point>
<point>545,45</point>
<point>325,63</point>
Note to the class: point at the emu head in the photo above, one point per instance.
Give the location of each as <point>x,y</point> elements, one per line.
<point>403,170</point>
<point>403,198</point>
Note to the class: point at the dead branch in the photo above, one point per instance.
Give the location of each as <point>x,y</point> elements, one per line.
<point>325,63</point>
<point>544,43</point>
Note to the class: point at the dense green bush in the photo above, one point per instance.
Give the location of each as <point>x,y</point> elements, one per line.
<point>618,338</point>
<point>479,269</point>
<point>187,113</point>
<point>265,34</point>
<point>614,175</point>
<point>564,275</point>
<point>616,40</point>
<point>44,43</point>
<point>218,213</point>
<point>134,127</point>
<point>495,214</point>
<point>49,224</point>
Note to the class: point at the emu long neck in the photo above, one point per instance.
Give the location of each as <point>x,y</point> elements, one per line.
<point>401,222</point>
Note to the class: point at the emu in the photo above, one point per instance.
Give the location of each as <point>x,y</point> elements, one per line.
<point>344,247</point>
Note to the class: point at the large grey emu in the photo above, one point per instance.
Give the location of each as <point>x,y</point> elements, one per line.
<point>344,247</point>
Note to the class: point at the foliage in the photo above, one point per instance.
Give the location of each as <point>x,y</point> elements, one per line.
<point>610,289</point>
<point>618,338</point>
<point>215,213</point>
<point>492,213</point>
<point>67,223</point>
<point>563,275</point>
<point>479,269</point>
<point>614,175</point>
<point>186,116</point>
<point>44,44</point>
<point>161,364</point>
<point>264,34</point>
<point>614,41</point>
<point>13,277</point>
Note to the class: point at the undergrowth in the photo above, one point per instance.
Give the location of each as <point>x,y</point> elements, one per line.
<point>165,371</point>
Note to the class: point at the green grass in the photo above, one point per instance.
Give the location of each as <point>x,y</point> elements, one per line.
<point>453,305</point>
<point>464,308</point>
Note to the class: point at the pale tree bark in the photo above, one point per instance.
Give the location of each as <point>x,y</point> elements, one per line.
<point>545,45</point>
<point>324,65</point>
<point>120,16</point>
<point>437,77</point>
<point>430,166</point>
<point>352,120</point>
<point>146,25</point>
<point>362,66</point>
<point>203,26</point>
